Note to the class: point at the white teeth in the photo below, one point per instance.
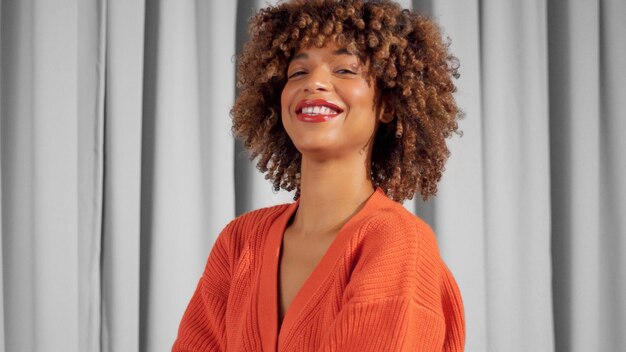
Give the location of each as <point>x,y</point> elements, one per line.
<point>317,110</point>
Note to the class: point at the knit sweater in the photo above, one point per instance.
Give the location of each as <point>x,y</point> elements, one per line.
<point>380,286</point>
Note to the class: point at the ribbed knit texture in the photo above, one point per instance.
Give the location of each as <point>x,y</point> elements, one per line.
<point>381,286</point>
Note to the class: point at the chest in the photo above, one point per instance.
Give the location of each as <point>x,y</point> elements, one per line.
<point>298,259</point>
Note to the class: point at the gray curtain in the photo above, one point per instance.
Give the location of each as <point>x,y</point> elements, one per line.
<point>118,169</point>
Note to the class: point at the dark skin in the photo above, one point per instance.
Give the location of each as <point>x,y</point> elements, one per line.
<point>336,154</point>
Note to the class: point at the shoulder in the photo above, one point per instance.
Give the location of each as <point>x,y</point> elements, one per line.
<point>252,223</point>
<point>397,255</point>
<point>258,217</point>
<point>393,227</point>
<point>395,252</point>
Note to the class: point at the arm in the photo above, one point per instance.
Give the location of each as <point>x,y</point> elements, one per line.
<point>452,307</point>
<point>202,327</point>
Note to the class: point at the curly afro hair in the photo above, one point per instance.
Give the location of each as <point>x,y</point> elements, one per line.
<point>407,58</point>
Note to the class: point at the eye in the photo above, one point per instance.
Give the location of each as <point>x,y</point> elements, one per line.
<point>345,71</point>
<point>296,74</point>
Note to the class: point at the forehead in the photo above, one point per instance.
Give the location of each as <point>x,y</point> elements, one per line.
<point>307,53</point>
<point>330,50</point>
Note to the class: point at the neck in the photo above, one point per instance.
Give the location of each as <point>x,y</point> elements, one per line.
<point>331,192</point>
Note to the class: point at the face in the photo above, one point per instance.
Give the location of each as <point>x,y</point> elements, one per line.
<point>327,104</point>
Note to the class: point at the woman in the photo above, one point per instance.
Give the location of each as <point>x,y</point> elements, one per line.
<point>349,104</point>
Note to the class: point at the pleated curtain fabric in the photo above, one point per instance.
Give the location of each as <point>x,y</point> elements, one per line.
<point>588,174</point>
<point>40,176</point>
<point>118,169</point>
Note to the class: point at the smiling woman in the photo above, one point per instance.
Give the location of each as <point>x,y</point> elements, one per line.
<point>350,104</point>
<point>328,85</point>
<point>400,51</point>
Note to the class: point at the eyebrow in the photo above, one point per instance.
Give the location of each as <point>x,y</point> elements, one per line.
<point>336,52</point>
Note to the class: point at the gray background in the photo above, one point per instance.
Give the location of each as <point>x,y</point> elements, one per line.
<point>118,169</point>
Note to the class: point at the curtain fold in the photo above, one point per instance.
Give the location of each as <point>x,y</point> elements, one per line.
<point>39,169</point>
<point>2,328</point>
<point>121,225</point>
<point>119,170</point>
<point>587,198</point>
<point>188,154</point>
<point>458,211</point>
<point>90,148</point>
<point>216,75</point>
<point>612,127</point>
<point>575,141</point>
<point>17,202</point>
<point>177,241</point>
<point>515,122</point>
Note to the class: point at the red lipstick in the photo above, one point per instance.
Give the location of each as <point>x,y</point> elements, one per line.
<point>316,110</point>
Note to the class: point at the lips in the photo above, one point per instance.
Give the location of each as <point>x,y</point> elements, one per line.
<point>316,110</point>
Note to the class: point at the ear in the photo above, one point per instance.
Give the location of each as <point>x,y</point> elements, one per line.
<point>385,115</point>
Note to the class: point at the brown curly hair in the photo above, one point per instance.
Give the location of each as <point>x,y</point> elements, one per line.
<point>407,58</point>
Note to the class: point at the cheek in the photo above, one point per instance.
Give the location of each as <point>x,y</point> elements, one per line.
<point>284,105</point>
<point>285,98</point>
<point>362,96</point>
<point>362,103</point>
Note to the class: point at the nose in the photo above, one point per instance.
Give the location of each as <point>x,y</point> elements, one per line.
<point>318,81</point>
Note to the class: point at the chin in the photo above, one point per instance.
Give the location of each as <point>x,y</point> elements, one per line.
<point>313,148</point>
<point>312,140</point>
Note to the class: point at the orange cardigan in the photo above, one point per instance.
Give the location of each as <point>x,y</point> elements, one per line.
<point>381,286</point>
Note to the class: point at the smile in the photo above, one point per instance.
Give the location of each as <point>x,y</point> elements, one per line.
<point>316,110</point>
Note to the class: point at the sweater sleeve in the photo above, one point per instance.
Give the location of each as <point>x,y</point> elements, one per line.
<point>202,327</point>
<point>398,324</point>
<point>401,296</point>
<point>452,308</point>
<point>387,324</point>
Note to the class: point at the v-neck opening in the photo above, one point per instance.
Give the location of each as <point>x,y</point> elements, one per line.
<point>268,299</point>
